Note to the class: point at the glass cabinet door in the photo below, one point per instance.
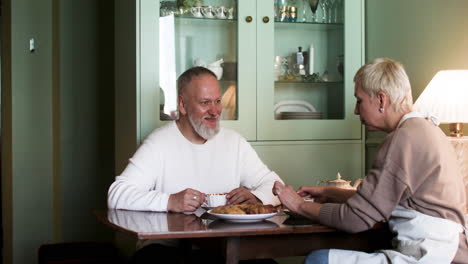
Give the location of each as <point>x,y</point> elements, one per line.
<point>206,33</point>
<point>307,90</point>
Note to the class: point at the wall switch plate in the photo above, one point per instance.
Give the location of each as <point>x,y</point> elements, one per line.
<point>31,45</point>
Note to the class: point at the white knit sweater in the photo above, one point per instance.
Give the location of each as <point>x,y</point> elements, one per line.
<point>168,163</point>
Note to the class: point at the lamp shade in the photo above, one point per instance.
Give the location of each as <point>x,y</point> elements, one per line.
<point>446,97</point>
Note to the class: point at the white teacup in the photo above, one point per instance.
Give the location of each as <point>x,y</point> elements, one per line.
<point>207,11</point>
<point>230,13</point>
<point>196,11</point>
<point>213,200</point>
<point>220,12</point>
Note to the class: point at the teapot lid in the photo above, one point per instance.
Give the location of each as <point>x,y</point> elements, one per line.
<point>338,179</point>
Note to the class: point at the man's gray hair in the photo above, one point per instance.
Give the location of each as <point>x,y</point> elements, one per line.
<point>389,76</point>
<point>186,77</point>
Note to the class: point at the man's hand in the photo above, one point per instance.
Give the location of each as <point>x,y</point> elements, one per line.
<point>187,200</point>
<point>241,195</point>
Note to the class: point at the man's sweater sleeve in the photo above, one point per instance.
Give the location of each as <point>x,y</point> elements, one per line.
<point>255,175</point>
<point>135,188</point>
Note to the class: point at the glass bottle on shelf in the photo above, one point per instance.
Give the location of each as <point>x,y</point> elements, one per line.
<point>292,14</point>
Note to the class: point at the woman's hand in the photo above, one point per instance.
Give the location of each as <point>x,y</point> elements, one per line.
<point>294,201</point>
<point>288,196</point>
<point>322,194</point>
<point>315,192</point>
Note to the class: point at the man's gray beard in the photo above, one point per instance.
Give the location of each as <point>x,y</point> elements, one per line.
<point>201,130</point>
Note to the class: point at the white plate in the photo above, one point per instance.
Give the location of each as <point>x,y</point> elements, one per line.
<point>294,106</point>
<point>220,224</point>
<point>238,218</point>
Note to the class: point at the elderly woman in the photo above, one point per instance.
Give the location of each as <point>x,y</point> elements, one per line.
<point>415,182</point>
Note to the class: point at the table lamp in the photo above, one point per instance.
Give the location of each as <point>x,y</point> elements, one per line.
<point>446,97</point>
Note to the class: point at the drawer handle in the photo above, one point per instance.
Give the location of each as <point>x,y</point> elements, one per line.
<point>266,19</point>
<point>248,19</point>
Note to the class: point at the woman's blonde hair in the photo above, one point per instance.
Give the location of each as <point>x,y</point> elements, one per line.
<point>388,76</point>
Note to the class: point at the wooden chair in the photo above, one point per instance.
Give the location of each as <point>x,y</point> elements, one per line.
<point>79,253</point>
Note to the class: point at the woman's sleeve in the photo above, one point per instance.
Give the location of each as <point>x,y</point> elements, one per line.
<point>380,192</point>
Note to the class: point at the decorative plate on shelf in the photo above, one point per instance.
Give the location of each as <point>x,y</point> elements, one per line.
<point>300,115</point>
<point>294,106</point>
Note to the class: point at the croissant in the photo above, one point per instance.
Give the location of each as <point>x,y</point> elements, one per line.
<point>247,208</point>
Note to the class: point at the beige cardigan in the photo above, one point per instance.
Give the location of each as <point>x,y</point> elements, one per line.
<point>416,168</point>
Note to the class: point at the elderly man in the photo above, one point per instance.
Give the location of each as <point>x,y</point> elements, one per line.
<point>181,162</point>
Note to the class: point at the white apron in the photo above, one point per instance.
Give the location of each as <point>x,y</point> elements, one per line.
<point>420,239</point>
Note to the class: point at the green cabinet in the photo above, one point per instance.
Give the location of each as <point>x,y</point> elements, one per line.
<point>274,95</point>
<point>332,97</point>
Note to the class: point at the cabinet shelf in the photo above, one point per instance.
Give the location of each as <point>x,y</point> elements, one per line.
<point>188,17</point>
<point>324,25</point>
<point>312,82</point>
<point>310,23</point>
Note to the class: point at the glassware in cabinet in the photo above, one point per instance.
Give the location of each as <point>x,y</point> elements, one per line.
<point>308,73</point>
<point>198,33</point>
<point>309,101</point>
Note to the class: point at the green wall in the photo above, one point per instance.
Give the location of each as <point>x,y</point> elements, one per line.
<point>57,122</point>
<point>29,141</point>
<point>86,120</point>
<point>425,35</point>
<point>57,110</point>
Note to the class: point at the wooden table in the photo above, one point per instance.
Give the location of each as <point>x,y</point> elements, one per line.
<point>279,236</point>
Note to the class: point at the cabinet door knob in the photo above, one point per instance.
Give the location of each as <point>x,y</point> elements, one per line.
<point>266,19</point>
<point>248,19</point>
